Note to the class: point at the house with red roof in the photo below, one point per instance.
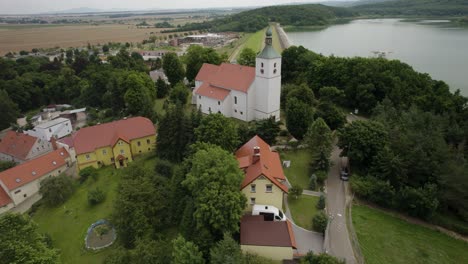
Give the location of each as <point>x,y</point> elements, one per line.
<point>243,92</point>
<point>264,181</point>
<point>19,147</point>
<point>270,239</point>
<point>23,181</point>
<point>115,143</point>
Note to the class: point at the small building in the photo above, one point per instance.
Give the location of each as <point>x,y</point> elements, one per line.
<point>152,54</point>
<point>115,143</point>
<point>19,147</point>
<point>57,128</point>
<point>270,239</point>
<point>264,181</point>
<point>156,74</point>
<point>243,92</point>
<point>23,181</point>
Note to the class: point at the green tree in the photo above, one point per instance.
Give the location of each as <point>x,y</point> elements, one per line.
<point>86,173</point>
<point>96,196</point>
<point>139,95</point>
<point>320,142</point>
<point>21,241</point>
<point>319,222</point>
<point>334,117</point>
<point>321,202</point>
<point>9,110</point>
<point>322,258</point>
<point>214,181</point>
<point>268,129</point>
<point>226,251</point>
<point>56,190</point>
<point>179,94</point>
<point>196,56</point>
<point>162,88</point>
<point>299,116</point>
<point>186,252</point>
<point>302,93</point>
<point>105,48</point>
<point>295,191</point>
<point>173,68</point>
<point>247,57</point>
<point>5,165</point>
<point>218,130</point>
<point>332,94</point>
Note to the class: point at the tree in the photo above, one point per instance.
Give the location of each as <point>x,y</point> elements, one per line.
<point>334,117</point>
<point>268,129</point>
<point>179,94</point>
<point>320,141</point>
<point>186,252</point>
<point>226,251</point>
<point>9,110</point>
<point>105,48</point>
<point>247,57</point>
<point>321,202</point>
<point>196,56</point>
<point>86,173</point>
<point>313,182</point>
<point>162,88</point>
<point>302,93</point>
<point>5,165</point>
<point>331,94</point>
<point>21,241</point>
<point>139,96</point>
<point>319,222</point>
<point>295,191</point>
<point>322,258</point>
<point>173,68</point>
<point>361,141</point>
<point>218,130</point>
<point>96,196</point>
<point>56,190</point>
<point>299,116</point>
<point>214,181</point>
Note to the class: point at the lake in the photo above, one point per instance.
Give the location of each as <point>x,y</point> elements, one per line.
<point>430,46</point>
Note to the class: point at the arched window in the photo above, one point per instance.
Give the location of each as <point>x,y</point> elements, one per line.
<point>262,64</point>
<point>261,71</point>
<point>274,71</point>
<point>275,65</point>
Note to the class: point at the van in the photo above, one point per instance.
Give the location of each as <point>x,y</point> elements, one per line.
<point>269,212</point>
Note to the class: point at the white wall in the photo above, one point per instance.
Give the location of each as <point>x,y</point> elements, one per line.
<point>268,88</point>
<point>239,110</point>
<point>60,130</point>
<point>39,148</point>
<point>207,103</point>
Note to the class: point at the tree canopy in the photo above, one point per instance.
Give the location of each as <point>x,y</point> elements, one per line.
<point>218,130</point>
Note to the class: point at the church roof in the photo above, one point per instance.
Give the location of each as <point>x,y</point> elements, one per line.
<point>268,53</point>
<point>213,92</point>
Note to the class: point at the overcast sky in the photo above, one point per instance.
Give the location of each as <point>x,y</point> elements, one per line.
<point>40,6</point>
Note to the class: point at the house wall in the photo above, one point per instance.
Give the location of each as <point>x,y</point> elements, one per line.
<point>60,130</point>
<point>71,150</point>
<point>39,148</point>
<point>32,188</point>
<point>144,146</point>
<point>275,197</point>
<point>251,95</point>
<point>240,107</point>
<point>6,208</point>
<point>6,157</point>
<point>104,156</point>
<point>268,88</point>
<point>275,253</point>
<point>206,103</point>
<point>84,162</point>
<point>122,148</point>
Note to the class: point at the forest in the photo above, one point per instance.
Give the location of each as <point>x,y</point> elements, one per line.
<point>415,8</point>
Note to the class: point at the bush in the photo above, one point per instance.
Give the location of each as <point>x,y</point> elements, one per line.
<point>56,190</point>
<point>321,202</point>
<point>313,182</point>
<point>284,133</point>
<point>295,191</point>
<point>321,176</point>
<point>164,168</point>
<point>86,173</point>
<point>96,196</point>
<point>319,222</point>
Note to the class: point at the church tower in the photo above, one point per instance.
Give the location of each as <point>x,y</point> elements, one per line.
<point>268,81</point>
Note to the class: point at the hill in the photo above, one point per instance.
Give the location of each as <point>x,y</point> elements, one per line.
<point>256,19</point>
<point>415,8</point>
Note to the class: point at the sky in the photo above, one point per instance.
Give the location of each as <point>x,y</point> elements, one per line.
<point>41,6</point>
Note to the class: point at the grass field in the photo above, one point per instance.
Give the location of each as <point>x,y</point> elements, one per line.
<point>387,239</point>
<point>299,171</point>
<point>68,223</point>
<point>303,210</point>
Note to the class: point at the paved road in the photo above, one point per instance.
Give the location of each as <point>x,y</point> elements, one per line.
<point>339,244</point>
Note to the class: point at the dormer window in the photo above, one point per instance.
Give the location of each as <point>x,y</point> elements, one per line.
<point>34,173</point>
<point>54,162</point>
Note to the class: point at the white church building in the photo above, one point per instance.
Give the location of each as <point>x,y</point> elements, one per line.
<point>243,92</point>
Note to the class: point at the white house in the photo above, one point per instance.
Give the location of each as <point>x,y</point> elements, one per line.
<point>19,147</point>
<point>58,128</point>
<point>243,92</point>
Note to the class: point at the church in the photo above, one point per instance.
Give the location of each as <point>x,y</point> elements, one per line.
<point>243,92</point>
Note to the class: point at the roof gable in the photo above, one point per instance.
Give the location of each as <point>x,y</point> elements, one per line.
<point>213,92</point>
<point>17,144</point>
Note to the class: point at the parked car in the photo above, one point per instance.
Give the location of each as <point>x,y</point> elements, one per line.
<point>344,174</point>
<point>271,213</point>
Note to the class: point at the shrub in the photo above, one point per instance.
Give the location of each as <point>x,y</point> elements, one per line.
<point>313,182</point>
<point>56,190</point>
<point>295,191</point>
<point>86,173</point>
<point>319,222</point>
<point>101,230</point>
<point>321,202</point>
<point>321,176</point>
<point>96,196</point>
<point>164,168</point>
<point>284,133</point>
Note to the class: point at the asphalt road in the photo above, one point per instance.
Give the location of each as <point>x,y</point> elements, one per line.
<point>339,244</point>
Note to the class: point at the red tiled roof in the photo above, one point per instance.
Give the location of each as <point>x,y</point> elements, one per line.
<point>90,138</point>
<point>268,164</point>
<point>255,232</point>
<point>4,198</point>
<point>213,92</point>
<point>225,76</point>
<point>67,141</point>
<point>17,144</point>
<point>33,169</point>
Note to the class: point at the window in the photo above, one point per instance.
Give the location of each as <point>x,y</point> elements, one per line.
<point>269,188</point>
<point>66,124</point>
<point>274,65</point>
<point>50,130</point>
<point>199,97</point>
<point>252,188</point>
<point>120,143</point>
<point>25,195</point>
<point>219,103</point>
<point>209,109</point>
<point>104,152</point>
<point>274,71</point>
<point>241,112</point>
<point>235,110</point>
<point>262,71</point>
<point>87,156</point>
<point>61,171</point>
<point>122,151</point>
<point>252,200</point>
<point>262,64</point>
<point>148,141</point>
<point>235,99</point>
<point>139,143</point>
<point>112,159</point>
<point>219,112</point>
<point>149,149</point>
<point>18,191</point>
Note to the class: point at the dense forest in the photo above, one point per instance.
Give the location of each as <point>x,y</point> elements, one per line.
<point>415,8</point>
<point>256,19</point>
<point>410,154</point>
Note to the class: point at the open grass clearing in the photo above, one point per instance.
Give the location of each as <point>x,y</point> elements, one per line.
<point>299,172</point>
<point>67,224</point>
<point>303,210</point>
<point>387,239</point>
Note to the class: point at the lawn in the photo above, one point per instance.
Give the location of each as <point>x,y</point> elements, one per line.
<point>303,210</point>
<point>68,223</point>
<point>386,239</point>
<point>299,171</point>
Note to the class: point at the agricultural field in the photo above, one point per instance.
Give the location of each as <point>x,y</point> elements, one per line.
<point>384,238</point>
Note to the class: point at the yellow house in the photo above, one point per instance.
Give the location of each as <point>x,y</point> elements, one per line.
<point>115,143</point>
<point>264,181</point>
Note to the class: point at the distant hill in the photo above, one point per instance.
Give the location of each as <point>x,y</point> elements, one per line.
<point>256,19</point>
<point>416,8</point>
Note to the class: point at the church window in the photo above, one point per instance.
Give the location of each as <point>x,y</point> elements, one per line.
<point>275,65</point>
<point>235,110</point>
<point>241,113</point>
<point>262,64</point>
<point>199,97</point>
<point>261,71</point>
<point>235,99</point>
<point>209,109</point>
<point>219,103</point>
<point>219,112</point>
<point>274,71</point>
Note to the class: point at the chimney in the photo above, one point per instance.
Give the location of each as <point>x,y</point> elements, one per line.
<point>256,155</point>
